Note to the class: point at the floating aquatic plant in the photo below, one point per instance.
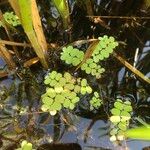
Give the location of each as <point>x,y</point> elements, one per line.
<point>72,55</point>
<point>11,18</point>
<point>95,102</point>
<point>25,146</point>
<point>121,114</point>
<point>62,91</point>
<point>103,49</point>
<point>91,67</point>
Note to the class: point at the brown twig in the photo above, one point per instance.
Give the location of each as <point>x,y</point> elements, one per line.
<point>121,17</point>
<point>131,68</point>
<point>14,43</point>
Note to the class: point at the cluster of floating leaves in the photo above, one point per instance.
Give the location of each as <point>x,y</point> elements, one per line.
<point>62,91</point>
<point>104,48</point>
<point>95,102</point>
<point>11,18</point>
<point>25,146</point>
<point>121,114</point>
<point>91,67</point>
<point>72,55</point>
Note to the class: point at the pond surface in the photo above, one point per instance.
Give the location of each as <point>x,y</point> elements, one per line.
<point>66,128</point>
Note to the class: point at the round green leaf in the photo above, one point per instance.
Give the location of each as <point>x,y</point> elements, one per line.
<point>58,88</point>
<point>71,106</point>
<point>115,112</point>
<point>122,126</point>
<point>67,76</point>
<point>83,82</point>
<point>51,92</point>
<point>53,83</point>
<point>125,113</point>
<point>83,90</point>
<point>47,100</point>
<point>66,103</point>
<point>75,100</point>
<point>88,70</point>
<point>89,89</point>
<point>58,76</point>
<point>62,81</point>
<point>47,81</point>
<point>77,88</point>
<point>53,74</point>
<point>56,106</point>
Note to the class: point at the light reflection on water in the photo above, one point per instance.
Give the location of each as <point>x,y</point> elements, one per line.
<point>95,139</point>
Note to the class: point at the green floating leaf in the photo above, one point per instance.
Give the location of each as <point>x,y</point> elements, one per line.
<point>58,76</point>
<point>47,101</point>
<point>77,88</point>
<point>69,86</point>
<point>115,119</point>
<point>96,94</point>
<point>83,90</point>
<point>53,74</point>
<point>89,89</point>
<point>88,70</point>
<point>115,112</point>
<point>125,113</point>
<point>75,100</point>
<point>66,103</point>
<point>56,106</point>
<point>45,107</point>
<point>72,55</point>
<point>83,82</point>
<point>59,98</point>
<point>53,83</point>
<point>62,81</point>
<point>71,106</point>
<point>51,92</point>
<point>122,126</point>
<point>47,81</point>
<point>128,108</point>
<point>67,76</point>
<point>58,88</point>
<point>114,131</point>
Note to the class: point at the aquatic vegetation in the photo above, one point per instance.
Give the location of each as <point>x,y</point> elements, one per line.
<point>103,49</point>
<point>142,133</point>
<point>95,102</point>
<point>62,91</point>
<point>25,146</point>
<point>63,9</point>
<point>72,55</point>
<point>11,18</point>
<point>121,115</point>
<point>90,67</point>
<point>40,38</point>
